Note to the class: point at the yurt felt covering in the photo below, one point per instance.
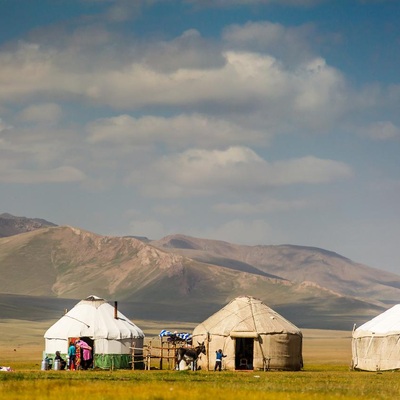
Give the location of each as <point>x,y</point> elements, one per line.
<point>376,344</point>
<point>94,318</point>
<point>252,336</point>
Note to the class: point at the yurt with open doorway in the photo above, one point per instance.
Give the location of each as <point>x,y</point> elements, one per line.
<point>111,335</point>
<point>252,336</point>
<point>376,344</point>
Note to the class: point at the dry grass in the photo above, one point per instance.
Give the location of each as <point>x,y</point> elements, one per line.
<point>326,374</point>
<point>323,383</point>
<point>326,347</point>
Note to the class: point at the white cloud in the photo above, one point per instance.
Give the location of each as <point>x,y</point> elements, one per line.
<point>245,82</point>
<point>312,96</point>
<point>290,44</point>
<point>190,73</point>
<point>29,70</point>
<point>181,131</point>
<point>198,172</point>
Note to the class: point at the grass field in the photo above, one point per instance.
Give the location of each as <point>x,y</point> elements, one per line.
<point>326,374</point>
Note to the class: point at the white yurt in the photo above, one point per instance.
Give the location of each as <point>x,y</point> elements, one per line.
<point>376,344</point>
<point>111,335</point>
<point>252,336</point>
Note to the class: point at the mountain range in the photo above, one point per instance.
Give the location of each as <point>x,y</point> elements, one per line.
<point>46,268</point>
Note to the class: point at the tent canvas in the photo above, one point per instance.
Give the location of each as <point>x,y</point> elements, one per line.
<point>376,344</point>
<point>112,333</point>
<point>252,336</point>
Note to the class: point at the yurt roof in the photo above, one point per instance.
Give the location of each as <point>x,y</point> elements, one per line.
<point>245,314</point>
<point>386,323</point>
<point>93,317</point>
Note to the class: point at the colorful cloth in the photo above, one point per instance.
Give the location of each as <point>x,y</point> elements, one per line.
<point>87,350</point>
<point>173,336</point>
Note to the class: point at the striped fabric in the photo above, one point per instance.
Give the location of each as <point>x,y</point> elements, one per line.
<point>187,337</point>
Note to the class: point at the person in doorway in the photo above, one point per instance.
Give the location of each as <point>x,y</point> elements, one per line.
<point>86,353</point>
<point>72,356</point>
<point>218,360</point>
<point>63,363</point>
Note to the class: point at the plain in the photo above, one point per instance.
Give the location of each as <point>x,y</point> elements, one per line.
<point>326,374</point>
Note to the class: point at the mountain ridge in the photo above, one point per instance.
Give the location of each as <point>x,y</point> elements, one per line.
<point>185,278</point>
<point>11,225</point>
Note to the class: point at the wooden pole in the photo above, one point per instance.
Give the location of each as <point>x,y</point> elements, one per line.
<point>169,361</point>
<point>148,357</point>
<point>174,359</point>
<point>161,354</point>
<point>133,355</point>
<point>208,351</point>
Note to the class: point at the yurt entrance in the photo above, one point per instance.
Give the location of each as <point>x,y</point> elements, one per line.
<point>244,353</point>
<point>84,358</point>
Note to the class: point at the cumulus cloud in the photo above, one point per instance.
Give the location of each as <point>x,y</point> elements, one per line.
<point>199,172</point>
<point>31,70</point>
<point>180,131</point>
<point>290,44</point>
<point>313,94</point>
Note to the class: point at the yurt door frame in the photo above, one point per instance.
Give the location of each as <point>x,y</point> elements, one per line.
<point>244,353</point>
<point>86,339</point>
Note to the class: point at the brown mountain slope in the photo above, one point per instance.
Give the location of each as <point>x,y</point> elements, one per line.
<point>65,262</point>
<point>295,263</point>
<point>11,225</point>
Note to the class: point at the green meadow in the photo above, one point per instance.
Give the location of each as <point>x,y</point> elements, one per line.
<point>326,374</point>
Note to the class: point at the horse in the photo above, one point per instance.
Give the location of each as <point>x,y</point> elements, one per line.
<point>190,355</point>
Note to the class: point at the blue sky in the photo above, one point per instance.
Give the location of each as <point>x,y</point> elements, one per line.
<point>254,122</point>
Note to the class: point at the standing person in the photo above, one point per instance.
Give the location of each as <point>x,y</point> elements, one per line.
<point>87,353</point>
<point>72,356</point>
<point>218,359</point>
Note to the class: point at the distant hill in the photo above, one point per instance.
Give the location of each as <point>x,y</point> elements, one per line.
<point>299,264</point>
<point>11,225</point>
<point>180,278</point>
